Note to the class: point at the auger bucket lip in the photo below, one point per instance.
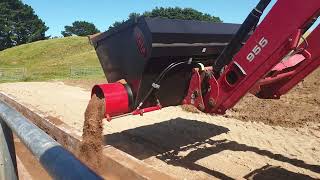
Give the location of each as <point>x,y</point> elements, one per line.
<point>168,26</point>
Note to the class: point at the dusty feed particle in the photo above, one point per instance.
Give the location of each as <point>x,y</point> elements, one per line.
<point>92,141</point>
<point>54,120</point>
<point>189,108</point>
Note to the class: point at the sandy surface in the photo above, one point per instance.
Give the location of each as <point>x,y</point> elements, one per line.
<point>299,108</point>
<point>191,145</point>
<point>55,99</point>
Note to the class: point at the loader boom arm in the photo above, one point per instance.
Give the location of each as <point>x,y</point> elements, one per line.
<point>276,36</point>
<point>290,72</point>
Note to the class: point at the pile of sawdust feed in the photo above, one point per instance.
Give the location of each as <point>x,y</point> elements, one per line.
<point>298,108</point>
<point>92,141</point>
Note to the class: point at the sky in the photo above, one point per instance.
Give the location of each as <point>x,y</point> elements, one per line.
<point>59,13</point>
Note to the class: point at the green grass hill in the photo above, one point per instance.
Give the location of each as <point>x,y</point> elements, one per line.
<point>61,58</point>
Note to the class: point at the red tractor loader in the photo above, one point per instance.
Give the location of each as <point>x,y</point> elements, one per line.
<point>167,62</point>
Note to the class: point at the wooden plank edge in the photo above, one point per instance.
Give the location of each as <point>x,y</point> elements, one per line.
<point>116,163</point>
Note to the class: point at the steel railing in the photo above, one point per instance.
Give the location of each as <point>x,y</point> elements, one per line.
<point>58,162</point>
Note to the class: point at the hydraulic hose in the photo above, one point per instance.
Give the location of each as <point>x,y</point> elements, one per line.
<point>156,84</point>
<point>233,47</point>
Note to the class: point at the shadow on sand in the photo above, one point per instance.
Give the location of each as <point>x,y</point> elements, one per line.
<point>167,139</point>
<point>269,172</point>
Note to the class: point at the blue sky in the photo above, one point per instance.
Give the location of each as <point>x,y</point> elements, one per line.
<point>58,13</point>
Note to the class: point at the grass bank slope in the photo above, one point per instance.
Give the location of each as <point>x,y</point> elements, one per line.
<point>52,59</point>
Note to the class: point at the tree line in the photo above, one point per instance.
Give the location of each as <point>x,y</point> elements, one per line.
<point>19,24</point>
